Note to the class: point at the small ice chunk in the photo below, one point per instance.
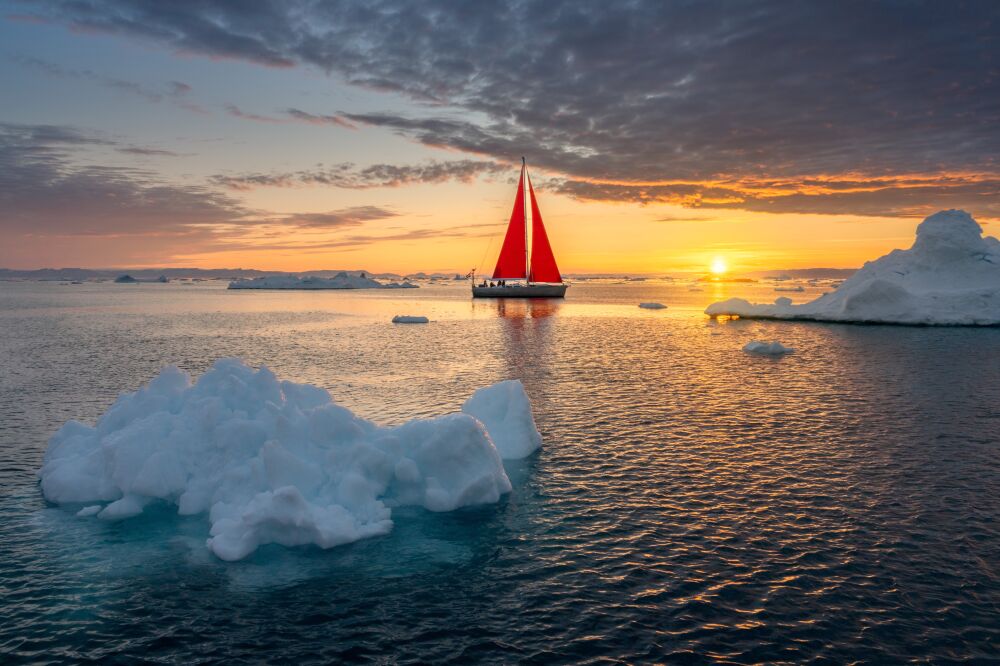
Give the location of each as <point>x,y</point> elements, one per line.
<point>409,319</point>
<point>91,510</point>
<point>774,348</point>
<point>652,306</point>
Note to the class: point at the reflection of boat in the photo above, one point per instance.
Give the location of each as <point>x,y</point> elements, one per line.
<point>526,309</point>
<point>536,273</point>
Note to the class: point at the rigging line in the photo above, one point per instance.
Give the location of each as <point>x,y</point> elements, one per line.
<point>488,246</point>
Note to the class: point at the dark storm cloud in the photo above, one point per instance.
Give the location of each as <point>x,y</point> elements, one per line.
<point>347,175</point>
<point>646,91</point>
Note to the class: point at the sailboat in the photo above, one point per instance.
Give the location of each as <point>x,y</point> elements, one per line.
<point>535,274</point>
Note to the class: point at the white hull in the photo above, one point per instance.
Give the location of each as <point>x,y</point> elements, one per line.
<point>521,291</point>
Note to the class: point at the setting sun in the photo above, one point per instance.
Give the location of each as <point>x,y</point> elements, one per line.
<point>718,266</point>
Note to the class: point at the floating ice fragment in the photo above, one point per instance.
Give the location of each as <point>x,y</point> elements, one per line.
<point>767,348</point>
<point>652,306</point>
<point>409,319</point>
<point>272,461</point>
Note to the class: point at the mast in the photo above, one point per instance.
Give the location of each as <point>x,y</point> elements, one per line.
<point>524,204</point>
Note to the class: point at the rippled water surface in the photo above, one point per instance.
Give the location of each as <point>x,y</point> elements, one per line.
<point>691,503</point>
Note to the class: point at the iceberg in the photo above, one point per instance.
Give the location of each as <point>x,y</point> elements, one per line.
<point>409,319</point>
<point>505,411</point>
<point>652,306</point>
<point>341,280</point>
<point>767,348</point>
<point>950,276</point>
<point>273,461</point>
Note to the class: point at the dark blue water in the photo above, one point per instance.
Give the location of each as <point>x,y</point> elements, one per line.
<point>690,503</point>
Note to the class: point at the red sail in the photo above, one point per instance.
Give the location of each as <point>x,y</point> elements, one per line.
<point>543,262</point>
<point>510,263</point>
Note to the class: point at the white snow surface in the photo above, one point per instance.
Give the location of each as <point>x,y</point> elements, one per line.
<point>652,306</point>
<point>505,410</point>
<point>273,461</point>
<point>774,348</point>
<point>951,276</point>
<point>410,319</point>
<point>341,280</point>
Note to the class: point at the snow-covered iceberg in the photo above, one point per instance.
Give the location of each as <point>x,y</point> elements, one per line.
<point>505,411</point>
<point>951,276</point>
<point>341,280</point>
<point>273,461</point>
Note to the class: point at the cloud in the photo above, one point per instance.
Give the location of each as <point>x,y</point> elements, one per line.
<point>291,116</point>
<point>44,191</point>
<point>319,120</point>
<point>147,152</point>
<point>50,201</point>
<point>349,176</point>
<point>907,195</point>
<point>236,112</point>
<point>649,91</point>
<point>347,217</point>
<point>174,91</point>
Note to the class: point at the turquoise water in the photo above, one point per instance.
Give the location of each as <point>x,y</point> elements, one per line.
<point>690,503</point>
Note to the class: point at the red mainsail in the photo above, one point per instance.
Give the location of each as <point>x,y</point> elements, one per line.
<point>543,262</point>
<point>511,263</point>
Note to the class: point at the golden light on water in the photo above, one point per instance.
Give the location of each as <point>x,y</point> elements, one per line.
<point>718,266</point>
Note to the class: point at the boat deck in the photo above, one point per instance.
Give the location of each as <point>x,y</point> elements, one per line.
<point>521,291</point>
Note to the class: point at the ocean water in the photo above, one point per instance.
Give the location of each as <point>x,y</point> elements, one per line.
<point>691,503</point>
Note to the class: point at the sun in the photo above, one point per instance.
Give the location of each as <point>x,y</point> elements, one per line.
<point>718,266</point>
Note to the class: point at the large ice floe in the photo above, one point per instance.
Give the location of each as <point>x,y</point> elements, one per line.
<point>951,276</point>
<point>341,280</point>
<point>273,461</point>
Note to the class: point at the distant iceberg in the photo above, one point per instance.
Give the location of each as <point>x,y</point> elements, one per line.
<point>272,461</point>
<point>409,319</point>
<point>951,276</point>
<point>652,306</point>
<point>341,280</point>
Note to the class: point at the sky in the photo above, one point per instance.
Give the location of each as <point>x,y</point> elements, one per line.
<point>660,136</point>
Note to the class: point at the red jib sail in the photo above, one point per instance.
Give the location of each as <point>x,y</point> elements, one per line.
<point>543,262</point>
<point>510,263</point>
